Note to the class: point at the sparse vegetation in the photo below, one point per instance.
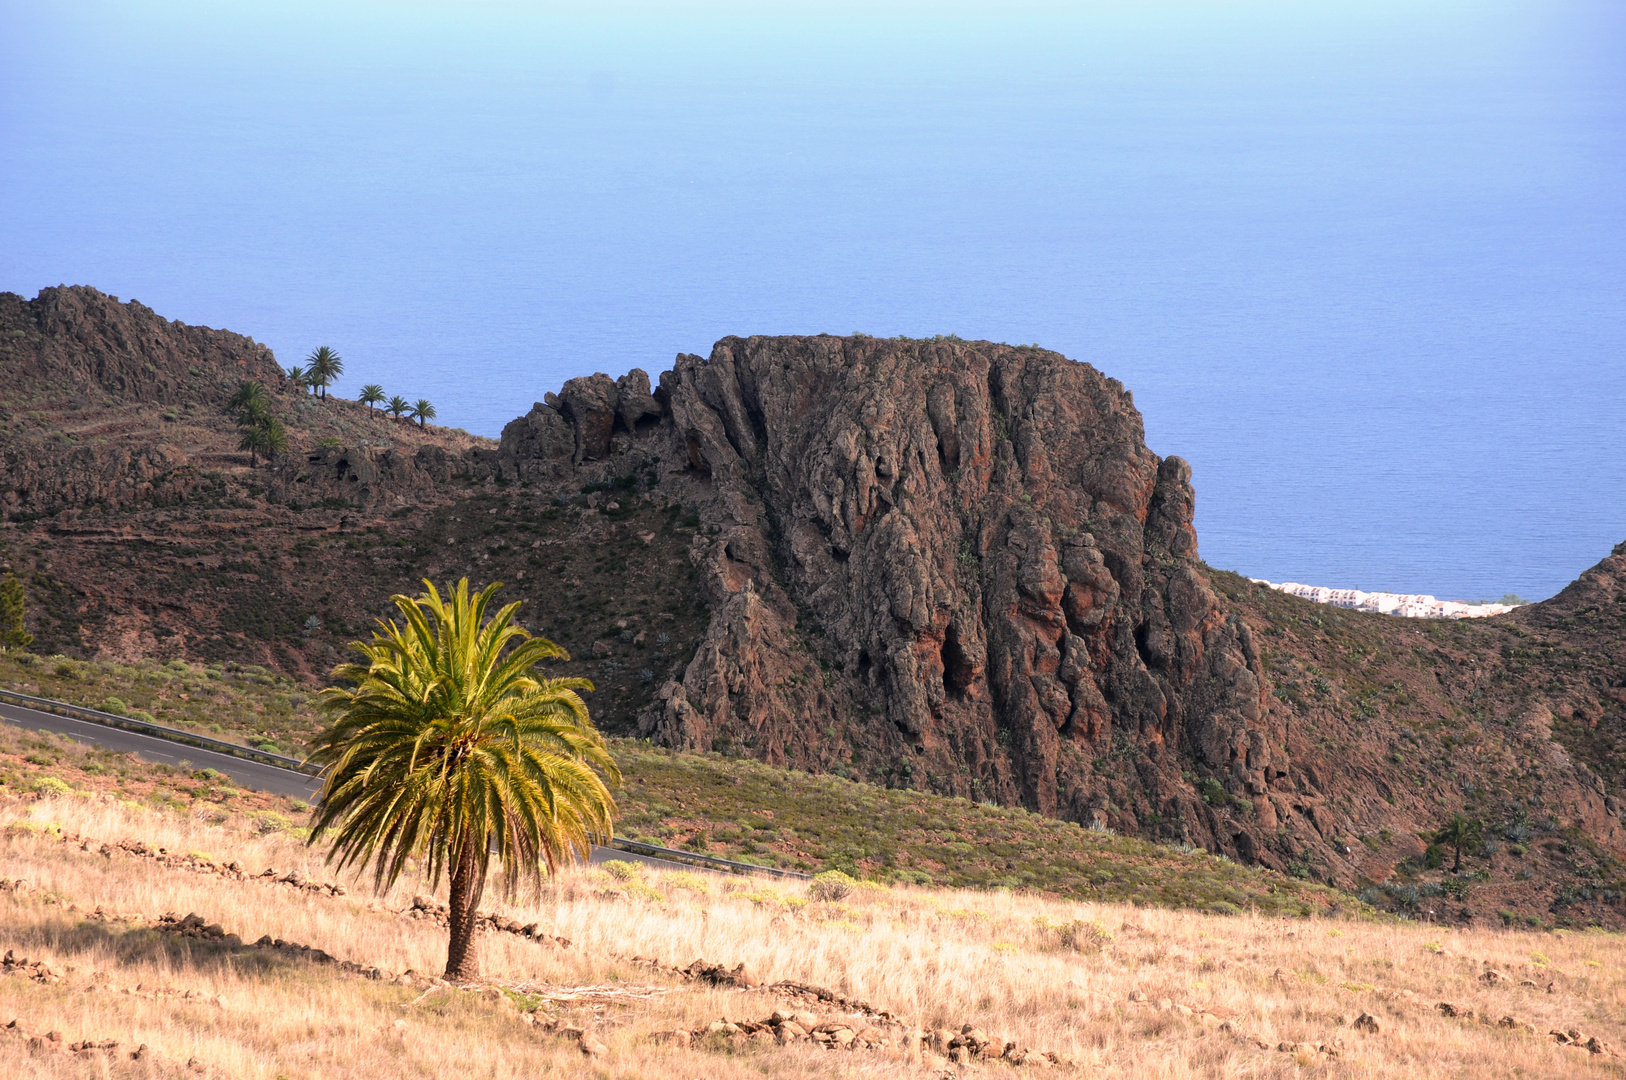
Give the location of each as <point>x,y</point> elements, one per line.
<point>1128,992</point>
<point>13,611</point>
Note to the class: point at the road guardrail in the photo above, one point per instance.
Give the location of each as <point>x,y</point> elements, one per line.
<point>281,761</point>
<point>638,847</point>
<point>157,731</point>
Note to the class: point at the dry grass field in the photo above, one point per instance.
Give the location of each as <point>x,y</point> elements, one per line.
<point>92,961</point>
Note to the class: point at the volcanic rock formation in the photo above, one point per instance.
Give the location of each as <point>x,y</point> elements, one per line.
<point>956,564</point>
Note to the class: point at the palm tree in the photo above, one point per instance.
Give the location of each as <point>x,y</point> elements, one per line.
<point>422,410</point>
<point>248,402</point>
<point>274,441</point>
<point>300,378</point>
<point>265,435</point>
<point>324,368</point>
<point>397,406</point>
<point>1461,832</point>
<point>449,751</point>
<point>371,394</point>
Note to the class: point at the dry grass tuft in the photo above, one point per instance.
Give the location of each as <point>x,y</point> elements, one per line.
<point>1127,992</point>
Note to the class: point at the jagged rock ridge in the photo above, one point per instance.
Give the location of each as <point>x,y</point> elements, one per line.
<point>954,564</point>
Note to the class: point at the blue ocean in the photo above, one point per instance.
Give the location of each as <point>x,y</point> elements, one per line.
<point>1363,264</point>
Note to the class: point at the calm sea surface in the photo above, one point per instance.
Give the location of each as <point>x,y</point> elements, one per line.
<point>1363,264</point>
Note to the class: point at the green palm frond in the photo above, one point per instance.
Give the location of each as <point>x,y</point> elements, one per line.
<point>448,741</point>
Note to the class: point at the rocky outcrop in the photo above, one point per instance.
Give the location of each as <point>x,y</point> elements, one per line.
<point>365,477</point>
<point>46,476</point>
<point>73,348</point>
<point>592,419</point>
<point>75,340</point>
<point>952,565</point>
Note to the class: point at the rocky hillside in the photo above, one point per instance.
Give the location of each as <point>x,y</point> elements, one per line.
<point>109,406</point>
<point>938,564</point>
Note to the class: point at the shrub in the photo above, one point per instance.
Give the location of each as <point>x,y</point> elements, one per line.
<point>684,879</point>
<point>52,785</point>
<point>1213,792</point>
<point>269,822</point>
<point>1222,907</point>
<point>830,886</point>
<point>621,870</point>
<point>1077,935</point>
<point>12,611</point>
<point>116,705</point>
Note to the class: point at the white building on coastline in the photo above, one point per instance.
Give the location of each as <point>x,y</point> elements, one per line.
<point>1388,603</point>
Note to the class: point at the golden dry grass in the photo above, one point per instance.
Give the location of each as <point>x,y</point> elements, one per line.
<point>933,957</point>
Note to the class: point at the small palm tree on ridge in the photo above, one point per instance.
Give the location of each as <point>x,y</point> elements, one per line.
<point>324,367</point>
<point>422,410</point>
<point>398,406</point>
<point>451,750</point>
<point>371,394</point>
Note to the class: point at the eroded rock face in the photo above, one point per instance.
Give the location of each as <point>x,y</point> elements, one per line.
<point>954,565</point>
<point>86,342</point>
<point>74,346</point>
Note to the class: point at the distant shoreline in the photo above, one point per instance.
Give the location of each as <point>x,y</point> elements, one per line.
<point>1406,605</point>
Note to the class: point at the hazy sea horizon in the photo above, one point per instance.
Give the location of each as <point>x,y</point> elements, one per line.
<point>1363,265</point>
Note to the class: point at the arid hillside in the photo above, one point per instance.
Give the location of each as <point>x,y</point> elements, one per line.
<point>946,565</point>
<point>145,942</point>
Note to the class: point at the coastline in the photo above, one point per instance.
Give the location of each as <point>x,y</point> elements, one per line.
<point>1405,605</point>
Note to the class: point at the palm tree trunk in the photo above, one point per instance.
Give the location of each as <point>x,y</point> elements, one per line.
<point>468,882</point>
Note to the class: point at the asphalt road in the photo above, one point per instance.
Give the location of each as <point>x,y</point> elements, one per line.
<point>250,774</point>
